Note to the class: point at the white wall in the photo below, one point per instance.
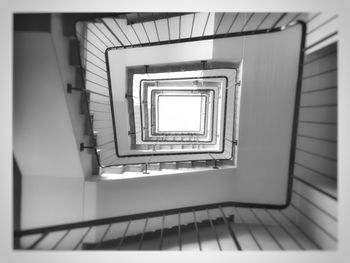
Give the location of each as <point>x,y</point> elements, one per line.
<point>50,200</point>
<point>44,143</point>
<point>270,68</point>
<point>53,200</point>
<point>43,138</point>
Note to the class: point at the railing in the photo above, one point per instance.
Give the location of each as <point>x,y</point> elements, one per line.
<point>95,52</point>
<point>220,226</point>
<point>103,32</point>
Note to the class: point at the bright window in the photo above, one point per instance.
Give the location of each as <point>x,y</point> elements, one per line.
<point>181,113</point>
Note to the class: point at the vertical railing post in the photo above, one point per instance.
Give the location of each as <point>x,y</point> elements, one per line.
<point>204,63</point>
<point>214,229</point>
<point>161,234</point>
<point>60,240</point>
<point>43,235</point>
<point>249,229</point>
<point>215,161</point>
<point>232,233</point>
<point>124,234</point>
<point>82,238</point>
<point>179,231</point>
<point>145,171</point>
<point>197,230</point>
<point>143,234</point>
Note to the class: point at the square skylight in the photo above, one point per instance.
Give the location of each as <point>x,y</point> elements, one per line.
<point>206,131</point>
<point>180,113</point>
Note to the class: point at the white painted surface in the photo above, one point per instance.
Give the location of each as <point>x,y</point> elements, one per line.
<point>266,113</point>
<point>51,200</point>
<point>44,142</point>
<point>180,53</point>
<point>73,100</point>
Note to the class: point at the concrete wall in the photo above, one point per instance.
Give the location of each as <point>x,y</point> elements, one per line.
<point>270,68</point>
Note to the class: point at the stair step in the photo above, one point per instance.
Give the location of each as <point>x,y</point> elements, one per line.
<point>165,146</point>
<point>154,167</point>
<point>199,163</point>
<point>151,238</point>
<point>176,146</point>
<point>153,147</point>
<point>225,238</point>
<point>141,147</point>
<point>226,162</point>
<point>118,169</point>
<point>168,165</point>
<point>187,146</point>
<point>184,165</point>
<point>211,162</point>
<point>133,168</point>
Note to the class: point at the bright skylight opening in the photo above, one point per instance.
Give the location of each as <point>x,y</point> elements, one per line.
<point>180,113</point>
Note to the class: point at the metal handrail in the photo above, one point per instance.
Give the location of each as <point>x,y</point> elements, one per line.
<point>93,92</point>
<point>119,219</point>
<point>160,232</point>
<point>182,40</point>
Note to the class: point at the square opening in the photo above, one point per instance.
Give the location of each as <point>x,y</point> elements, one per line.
<point>207,100</point>
<point>215,85</point>
<point>179,113</point>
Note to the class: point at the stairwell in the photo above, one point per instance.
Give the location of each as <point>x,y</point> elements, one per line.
<point>252,234</point>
